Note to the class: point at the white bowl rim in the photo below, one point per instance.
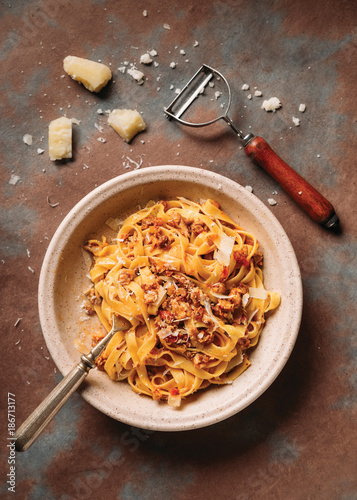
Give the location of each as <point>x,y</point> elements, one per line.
<point>95,198</point>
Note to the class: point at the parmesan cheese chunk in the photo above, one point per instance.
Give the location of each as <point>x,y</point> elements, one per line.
<point>127,122</point>
<point>271,104</point>
<point>60,139</point>
<point>93,75</point>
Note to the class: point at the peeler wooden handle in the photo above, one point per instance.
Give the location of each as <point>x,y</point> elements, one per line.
<point>310,200</point>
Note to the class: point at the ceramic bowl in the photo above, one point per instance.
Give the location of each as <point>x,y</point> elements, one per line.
<point>64,278</point>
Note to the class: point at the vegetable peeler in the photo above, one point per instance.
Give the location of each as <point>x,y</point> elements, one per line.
<point>306,196</point>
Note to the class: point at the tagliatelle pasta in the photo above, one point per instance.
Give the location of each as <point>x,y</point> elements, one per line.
<point>190,281</point>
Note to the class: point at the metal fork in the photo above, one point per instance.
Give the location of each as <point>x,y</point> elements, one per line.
<point>45,412</point>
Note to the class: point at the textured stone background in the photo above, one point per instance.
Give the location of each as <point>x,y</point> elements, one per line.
<point>299,439</point>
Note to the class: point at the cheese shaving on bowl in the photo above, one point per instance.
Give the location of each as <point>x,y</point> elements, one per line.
<point>224,249</point>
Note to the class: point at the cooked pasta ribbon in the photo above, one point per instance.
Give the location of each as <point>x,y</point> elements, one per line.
<point>190,281</point>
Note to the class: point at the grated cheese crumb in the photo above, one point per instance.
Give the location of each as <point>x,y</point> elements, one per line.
<point>272,202</point>
<point>296,121</point>
<point>145,59</point>
<point>271,104</point>
<point>245,86</point>
<point>302,108</point>
<point>14,179</point>
<point>27,138</point>
<point>137,75</point>
<point>249,188</point>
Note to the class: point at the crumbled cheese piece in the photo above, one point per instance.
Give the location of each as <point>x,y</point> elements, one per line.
<point>318,156</point>
<point>145,59</point>
<point>40,151</point>
<point>75,121</point>
<point>145,13</point>
<point>257,93</point>
<point>249,188</point>
<point>93,75</point>
<point>182,52</point>
<point>302,108</point>
<point>99,127</point>
<point>272,202</point>
<point>245,86</point>
<point>100,111</point>
<point>217,94</point>
<point>177,91</point>
<point>27,138</point>
<point>101,139</point>
<point>137,75</point>
<point>271,104</point>
<point>14,179</point>
<point>153,53</point>
<point>122,69</point>
<point>173,65</point>
<point>300,193</point>
<point>167,26</point>
<point>126,122</point>
<point>196,44</point>
<point>60,139</point>
<point>296,121</point>
<point>249,96</point>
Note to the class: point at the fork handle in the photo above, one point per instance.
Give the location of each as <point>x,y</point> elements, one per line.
<point>45,412</point>
<point>306,196</point>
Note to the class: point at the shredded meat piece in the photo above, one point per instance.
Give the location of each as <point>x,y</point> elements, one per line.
<point>198,228</point>
<point>198,312</point>
<point>164,204</point>
<point>175,220</point>
<point>151,221</point>
<point>89,309</point>
<point>258,258</point>
<point>94,246</point>
<point>197,297</point>
<point>156,238</point>
<point>243,288</point>
<point>180,293</point>
<point>235,296</point>
<point>218,288</point>
<point>204,336</point>
<point>167,316</point>
<point>125,276</point>
<point>150,296</point>
<point>241,257</point>
<point>244,342</point>
<point>157,266</point>
<point>179,309</point>
<point>180,338</point>
<point>200,360</point>
<point>92,297</point>
<point>96,337</point>
<point>224,274</point>
<point>100,362</point>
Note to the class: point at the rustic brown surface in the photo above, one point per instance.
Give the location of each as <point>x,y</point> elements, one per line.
<point>299,439</point>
